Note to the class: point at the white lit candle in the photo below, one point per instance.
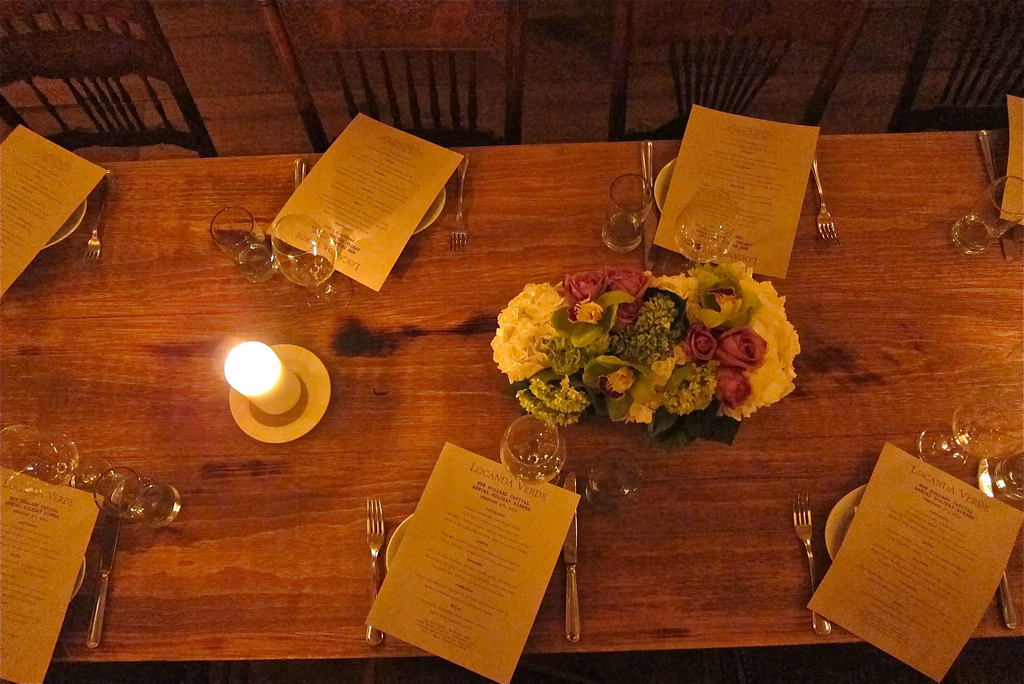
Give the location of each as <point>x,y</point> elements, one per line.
<point>253,369</point>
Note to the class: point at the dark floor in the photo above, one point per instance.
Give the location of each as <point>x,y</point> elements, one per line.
<point>983,661</point>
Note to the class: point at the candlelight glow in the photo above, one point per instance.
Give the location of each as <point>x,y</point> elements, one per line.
<point>252,368</point>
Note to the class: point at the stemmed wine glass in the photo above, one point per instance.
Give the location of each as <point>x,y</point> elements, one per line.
<point>985,426</point>
<point>706,227</point>
<point>306,253</point>
<point>33,456</point>
<point>532,450</point>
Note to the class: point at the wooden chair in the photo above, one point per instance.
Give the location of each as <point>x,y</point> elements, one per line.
<point>393,61</point>
<point>987,39</point>
<point>721,54</point>
<point>90,70</point>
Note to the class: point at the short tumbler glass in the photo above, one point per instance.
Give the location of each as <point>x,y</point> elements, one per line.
<point>995,212</point>
<point>532,450</point>
<point>238,234</point>
<point>629,203</point>
<point>122,492</point>
<point>614,478</point>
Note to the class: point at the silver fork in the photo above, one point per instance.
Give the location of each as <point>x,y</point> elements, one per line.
<point>826,227</point>
<point>458,237</point>
<point>93,247</point>
<point>804,530</point>
<point>375,539</point>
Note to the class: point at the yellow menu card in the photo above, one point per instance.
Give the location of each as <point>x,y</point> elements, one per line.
<point>763,165</point>
<point>470,574</point>
<point>919,564</point>
<point>1013,201</point>
<point>44,531</point>
<point>42,184</point>
<point>370,189</point>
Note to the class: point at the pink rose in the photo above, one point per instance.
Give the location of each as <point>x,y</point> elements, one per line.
<point>741,347</point>
<point>580,286</point>
<point>633,282</point>
<point>700,342</point>
<point>733,388</point>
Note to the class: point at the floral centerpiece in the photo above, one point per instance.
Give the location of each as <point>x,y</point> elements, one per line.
<point>689,355</point>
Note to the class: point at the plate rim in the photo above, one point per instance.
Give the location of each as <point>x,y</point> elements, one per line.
<point>394,541</point>
<point>71,221</point>
<point>432,212</point>
<point>842,512</point>
<point>661,186</point>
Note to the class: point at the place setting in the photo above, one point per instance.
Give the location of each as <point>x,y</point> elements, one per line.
<point>62,514</point>
<point>351,215</point>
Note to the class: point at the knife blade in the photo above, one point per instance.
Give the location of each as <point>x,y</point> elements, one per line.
<point>1005,597</point>
<point>647,165</point>
<point>106,541</point>
<point>572,605</point>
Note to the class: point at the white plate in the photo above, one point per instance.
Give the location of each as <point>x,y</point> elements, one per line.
<point>662,182</point>
<point>394,542</point>
<point>839,520</point>
<point>432,212</point>
<point>69,226</point>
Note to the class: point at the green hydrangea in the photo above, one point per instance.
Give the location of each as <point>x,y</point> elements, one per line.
<point>557,404</point>
<point>565,358</point>
<point>651,337</point>
<point>691,388</point>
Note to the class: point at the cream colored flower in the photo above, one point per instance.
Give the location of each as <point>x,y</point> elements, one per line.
<point>683,286</point>
<point>524,328</point>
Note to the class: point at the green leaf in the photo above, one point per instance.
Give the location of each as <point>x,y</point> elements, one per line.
<point>614,297</point>
<point>618,409</point>
<point>704,424</point>
<point>560,322</point>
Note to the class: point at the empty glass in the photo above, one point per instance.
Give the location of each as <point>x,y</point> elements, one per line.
<point>532,450</point>
<point>122,492</point>
<point>706,227</point>
<point>236,232</point>
<point>987,425</point>
<point>37,455</point>
<point>995,212</point>
<point>614,478</point>
<point>629,203</point>
<point>1008,478</point>
<point>306,253</point>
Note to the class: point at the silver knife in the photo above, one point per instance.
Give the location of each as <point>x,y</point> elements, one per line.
<point>647,166</point>
<point>572,602</point>
<point>106,541</point>
<point>1005,597</point>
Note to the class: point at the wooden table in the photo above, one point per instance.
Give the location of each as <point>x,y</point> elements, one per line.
<point>268,558</point>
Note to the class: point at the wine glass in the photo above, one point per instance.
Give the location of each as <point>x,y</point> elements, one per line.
<point>306,253</point>
<point>985,426</point>
<point>706,227</point>
<point>35,455</point>
<point>533,450</point>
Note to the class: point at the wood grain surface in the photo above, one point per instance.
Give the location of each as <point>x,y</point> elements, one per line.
<point>268,558</point>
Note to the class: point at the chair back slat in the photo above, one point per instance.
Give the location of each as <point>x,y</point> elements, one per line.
<point>83,104</point>
<point>453,91</point>
<point>429,45</point>
<point>364,78</point>
<point>346,87</point>
<point>410,90</point>
<point>389,89</point>
<point>51,110</point>
<point>435,104</point>
<point>78,54</point>
<point>126,98</point>
<point>472,106</point>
